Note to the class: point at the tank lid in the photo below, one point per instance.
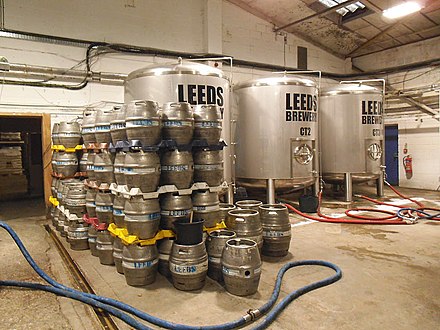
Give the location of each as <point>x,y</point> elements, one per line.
<point>349,89</point>
<point>276,81</point>
<point>180,67</point>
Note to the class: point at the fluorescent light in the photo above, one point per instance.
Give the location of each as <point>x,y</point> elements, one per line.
<point>401,10</point>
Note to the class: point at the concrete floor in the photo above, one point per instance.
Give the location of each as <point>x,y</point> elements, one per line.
<point>390,279</point>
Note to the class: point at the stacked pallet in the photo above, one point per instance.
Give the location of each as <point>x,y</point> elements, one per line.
<point>10,160</point>
<point>10,136</point>
<point>14,182</point>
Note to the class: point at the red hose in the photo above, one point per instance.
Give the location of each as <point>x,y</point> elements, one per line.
<point>391,219</point>
<point>421,206</point>
<point>378,202</point>
<point>402,195</point>
<point>345,220</point>
<point>363,218</point>
<point>359,219</point>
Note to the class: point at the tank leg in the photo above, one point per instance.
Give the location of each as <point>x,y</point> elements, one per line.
<point>230,195</point>
<point>379,185</point>
<point>270,191</point>
<point>317,186</point>
<point>348,187</point>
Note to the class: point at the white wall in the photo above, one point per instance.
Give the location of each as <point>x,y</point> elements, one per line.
<point>170,24</point>
<point>412,53</point>
<point>422,138</point>
<point>248,37</point>
<point>421,132</point>
<point>192,26</point>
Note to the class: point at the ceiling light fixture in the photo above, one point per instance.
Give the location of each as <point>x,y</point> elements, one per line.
<point>402,9</point>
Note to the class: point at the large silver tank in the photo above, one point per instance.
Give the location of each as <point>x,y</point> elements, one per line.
<point>352,134</point>
<point>276,133</point>
<point>183,81</point>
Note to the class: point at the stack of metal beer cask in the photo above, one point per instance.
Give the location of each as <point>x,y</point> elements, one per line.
<point>154,174</point>
<point>152,168</point>
<point>68,192</point>
<point>99,199</point>
<point>253,228</point>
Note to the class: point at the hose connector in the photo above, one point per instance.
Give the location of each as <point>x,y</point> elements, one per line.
<point>321,184</point>
<point>252,315</point>
<point>410,220</point>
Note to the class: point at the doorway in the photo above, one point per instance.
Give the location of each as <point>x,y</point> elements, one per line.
<point>32,148</point>
<point>392,154</point>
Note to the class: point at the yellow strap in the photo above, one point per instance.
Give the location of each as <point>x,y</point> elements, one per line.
<point>127,239</point>
<point>218,226</point>
<point>116,230</point>
<point>54,201</point>
<point>160,235</point>
<point>63,148</point>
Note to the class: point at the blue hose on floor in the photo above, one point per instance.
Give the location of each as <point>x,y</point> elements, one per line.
<point>79,297</point>
<point>420,214</point>
<point>116,307</point>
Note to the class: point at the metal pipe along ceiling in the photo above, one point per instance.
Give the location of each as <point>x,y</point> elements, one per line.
<point>38,74</point>
<point>167,53</point>
<point>20,71</point>
<point>23,71</point>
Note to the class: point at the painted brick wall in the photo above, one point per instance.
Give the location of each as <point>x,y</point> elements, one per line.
<point>170,24</point>
<point>422,138</point>
<point>420,133</point>
<point>248,37</point>
<point>419,51</point>
<point>182,26</point>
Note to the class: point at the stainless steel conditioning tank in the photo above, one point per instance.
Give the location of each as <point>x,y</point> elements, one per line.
<point>352,135</point>
<point>276,133</point>
<point>195,83</point>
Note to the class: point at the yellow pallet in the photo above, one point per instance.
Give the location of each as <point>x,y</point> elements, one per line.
<point>63,148</point>
<point>128,239</point>
<point>218,226</point>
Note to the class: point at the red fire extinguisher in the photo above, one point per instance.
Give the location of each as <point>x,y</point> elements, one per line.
<point>407,163</point>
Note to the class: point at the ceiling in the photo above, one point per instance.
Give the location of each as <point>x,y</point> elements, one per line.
<point>364,32</point>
